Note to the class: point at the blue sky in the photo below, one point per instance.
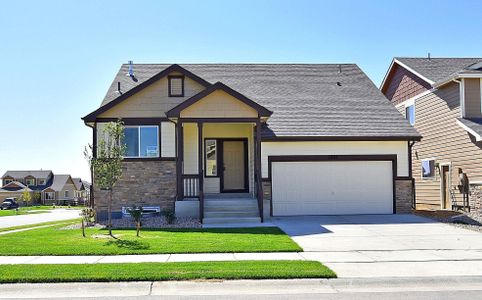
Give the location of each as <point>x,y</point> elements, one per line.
<point>57,58</point>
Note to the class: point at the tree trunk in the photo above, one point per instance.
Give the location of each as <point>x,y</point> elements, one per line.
<point>138,228</point>
<point>109,212</point>
<point>83,227</point>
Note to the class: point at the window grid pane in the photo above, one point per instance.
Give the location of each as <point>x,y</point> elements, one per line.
<point>149,142</point>
<point>211,158</point>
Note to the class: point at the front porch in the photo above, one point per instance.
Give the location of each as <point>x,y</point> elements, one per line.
<point>218,165</point>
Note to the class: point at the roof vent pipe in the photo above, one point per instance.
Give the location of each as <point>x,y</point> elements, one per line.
<point>118,86</point>
<point>339,68</point>
<point>428,56</point>
<point>131,69</point>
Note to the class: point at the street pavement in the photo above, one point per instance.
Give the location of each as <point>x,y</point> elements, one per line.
<point>52,215</point>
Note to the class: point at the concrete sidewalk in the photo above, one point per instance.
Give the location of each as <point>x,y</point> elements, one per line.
<point>288,289</point>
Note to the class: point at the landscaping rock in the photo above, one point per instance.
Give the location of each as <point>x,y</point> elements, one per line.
<point>154,222</point>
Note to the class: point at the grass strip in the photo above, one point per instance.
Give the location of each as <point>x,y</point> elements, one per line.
<point>52,241</point>
<point>164,271</point>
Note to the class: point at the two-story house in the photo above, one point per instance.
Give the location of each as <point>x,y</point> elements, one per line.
<point>52,188</point>
<point>442,99</point>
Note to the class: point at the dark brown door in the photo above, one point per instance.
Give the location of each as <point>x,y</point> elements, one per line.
<point>446,200</point>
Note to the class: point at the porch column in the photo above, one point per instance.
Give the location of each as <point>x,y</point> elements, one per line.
<point>179,160</point>
<point>257,164</point>
<point>200,169</point>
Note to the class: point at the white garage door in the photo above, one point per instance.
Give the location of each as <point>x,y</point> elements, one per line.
<point>332,188</point>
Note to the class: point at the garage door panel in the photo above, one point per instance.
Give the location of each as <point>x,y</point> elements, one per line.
<point>334,187</point>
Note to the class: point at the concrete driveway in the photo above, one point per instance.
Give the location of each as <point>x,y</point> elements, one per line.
<point>386,245</point>
<point>52,215</point>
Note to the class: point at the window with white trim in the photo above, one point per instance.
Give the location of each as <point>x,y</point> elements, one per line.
<point>428,168</point>
<point>141,141</point>
<point>66,194</point>
<point>7,181</point>
<point>30,181</point>
<point>49,195</point>
<point>211,158</point>
<point>410,113</point>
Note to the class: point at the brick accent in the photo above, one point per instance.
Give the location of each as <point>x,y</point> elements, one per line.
<point>403,195</point>
<point>403,85</point>
<point>146,183</point>
<point>475,198</point>
<point>267,190</point>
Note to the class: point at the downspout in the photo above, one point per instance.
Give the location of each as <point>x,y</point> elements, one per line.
<point>410,172</point>
<point>461,96</point>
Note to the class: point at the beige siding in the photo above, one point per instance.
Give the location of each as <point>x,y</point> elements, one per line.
<point>219,104</point>
<point>153,101</point>
<point>399,148</point>
<point>168,139</point>
<point>443,140</point>
<point>70,187</point>
<point>472,97</point>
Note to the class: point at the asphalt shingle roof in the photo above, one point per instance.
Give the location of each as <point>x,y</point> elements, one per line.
<point>25,173</point>
<point>438,69</point>
<point>59,181</point>
<point>305,98</point>
<point>473,123</point>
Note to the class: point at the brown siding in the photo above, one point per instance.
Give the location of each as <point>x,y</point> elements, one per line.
<point>472,98</point>
<point>445,141</point>
<point>403,85</point>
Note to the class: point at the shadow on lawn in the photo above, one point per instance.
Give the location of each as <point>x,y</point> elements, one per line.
<point>128,244</point>
<point>245,230</point>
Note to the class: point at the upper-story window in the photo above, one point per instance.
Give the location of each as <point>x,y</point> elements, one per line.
<point>176,86</point>
<point>428,168</point>
<point>30,181</point>
<point>410,113</point>
<point>41,181</point>
<point>141,141</point>
<point>7,181</point>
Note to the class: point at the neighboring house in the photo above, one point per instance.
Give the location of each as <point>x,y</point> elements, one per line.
<point>56,189</point>
<point>236,142</point>
<point>441,97</point>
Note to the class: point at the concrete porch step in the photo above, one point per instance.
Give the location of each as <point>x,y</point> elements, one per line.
<point>250,208</point>
<point>228,196</point>
<point>230,214</point>
<point>229,220</point>
<point>237,202</point>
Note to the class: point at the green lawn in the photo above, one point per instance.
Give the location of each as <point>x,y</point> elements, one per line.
<point>164,271</point>
<point>54,241</point>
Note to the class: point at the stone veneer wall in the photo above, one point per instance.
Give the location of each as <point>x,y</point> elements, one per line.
<point>403,194</point>
<point>146,183</point>
<point>475,197</point>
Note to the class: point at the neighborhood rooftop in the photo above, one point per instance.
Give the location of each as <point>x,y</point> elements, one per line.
<point>25,173</point>
<point>441,69</point>
<point>307,100</point>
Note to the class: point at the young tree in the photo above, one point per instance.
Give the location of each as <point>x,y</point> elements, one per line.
<point>136,214</point>
<point>26,197</point>
<point>105,161</point>
<point>37,196</point>
<point>88,215</point>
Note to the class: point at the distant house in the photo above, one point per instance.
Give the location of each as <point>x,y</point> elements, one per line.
<point>442,99</point>
<point>58,189</point>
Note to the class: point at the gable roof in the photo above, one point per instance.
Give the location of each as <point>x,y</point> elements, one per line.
<point>25,173</point>
<point>307,100</point>
<point>434,70</point>
<point>262,111</point>
<point>135,84</point>
<point>59,181</point>
<point>79,184</point>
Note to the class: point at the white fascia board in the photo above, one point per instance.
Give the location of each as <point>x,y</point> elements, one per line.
<point>477,136</point>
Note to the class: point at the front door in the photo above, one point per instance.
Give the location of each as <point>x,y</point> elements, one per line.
<point>234,166</point>
<point>446,199</point>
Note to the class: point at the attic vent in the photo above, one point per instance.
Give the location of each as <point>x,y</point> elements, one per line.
<point>338,83</point>
<point>131,69</point>
<point>176,86</point>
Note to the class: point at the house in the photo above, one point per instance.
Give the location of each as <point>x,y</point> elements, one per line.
<point>243,142</point>
<point>51,188</point>
<point>441,98</point>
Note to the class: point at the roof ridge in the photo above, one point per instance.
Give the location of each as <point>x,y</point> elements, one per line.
<point>244,64</point>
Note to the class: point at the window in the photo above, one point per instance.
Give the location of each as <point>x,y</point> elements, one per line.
<point>66,194</point>
<point>141,141</point>
<point>211,158</point>
<point>30,181</point>
<point>410,113</point>
<point>428,168</point>
<point>49,196</point>
<point>41,181</point>
<point>176,86</point>
<point>7,181</point>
